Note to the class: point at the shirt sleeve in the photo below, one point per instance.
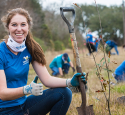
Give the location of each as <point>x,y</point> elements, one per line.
<point>1,61</point>
<point>59,64</point>
<point>68,60</point>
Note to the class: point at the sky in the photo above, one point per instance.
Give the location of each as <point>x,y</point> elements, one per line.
<point>67,3</point>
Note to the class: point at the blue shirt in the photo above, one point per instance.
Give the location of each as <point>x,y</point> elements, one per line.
<point>58,62</point>
<point>89,38</point>
<point>120,70</point>
<point>112,45</point>
<point>16,68</point>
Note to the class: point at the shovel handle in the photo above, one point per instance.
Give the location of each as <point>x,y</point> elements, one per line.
<point>35,79</point>
<point>69,24</point>
<point>79,70</point>
<point>76,56</point>
<point>83,109</point>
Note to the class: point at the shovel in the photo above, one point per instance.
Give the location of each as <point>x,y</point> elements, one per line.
<point>83,109</point>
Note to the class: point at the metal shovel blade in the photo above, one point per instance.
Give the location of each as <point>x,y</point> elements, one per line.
<point>89,110</point>
<point>121,100</point>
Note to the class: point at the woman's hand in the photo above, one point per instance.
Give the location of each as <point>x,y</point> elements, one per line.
<point>74,80</point>
<point>33,88</point>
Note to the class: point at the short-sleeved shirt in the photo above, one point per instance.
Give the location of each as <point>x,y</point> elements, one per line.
<point>111,43</point>
<point>89,38</point>
<point>58,62</point>
<point>16,68</point>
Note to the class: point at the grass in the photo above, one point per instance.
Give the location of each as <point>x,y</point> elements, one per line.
<point>120,88</point>
<point>93,98</point>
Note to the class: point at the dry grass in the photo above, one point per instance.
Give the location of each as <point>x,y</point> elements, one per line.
<point>96,99</point>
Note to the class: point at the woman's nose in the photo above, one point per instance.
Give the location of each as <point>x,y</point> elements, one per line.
<point>18,28</point>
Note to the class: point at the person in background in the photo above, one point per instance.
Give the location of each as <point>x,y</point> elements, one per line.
<point>17,52</point>
<point>90,43</point>
<point>119,73</point>
<point>109,45</point>
<point>60,65</point>
<point>97,41</point>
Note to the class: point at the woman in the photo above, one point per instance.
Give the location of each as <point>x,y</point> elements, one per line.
<point>16,53</point>
<point>90,43</point>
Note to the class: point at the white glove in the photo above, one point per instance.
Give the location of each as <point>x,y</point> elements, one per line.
<point>33,88</point>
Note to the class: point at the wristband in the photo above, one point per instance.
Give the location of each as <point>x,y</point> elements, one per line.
<point>68,83</point>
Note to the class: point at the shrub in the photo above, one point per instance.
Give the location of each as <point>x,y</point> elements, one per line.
<point>59,45</point>
<point>41,43</point>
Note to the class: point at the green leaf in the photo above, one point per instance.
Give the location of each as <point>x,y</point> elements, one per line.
<point>108,60</point>
<point>99,65</point>
<point>102,59</point>
<point>103,63</point>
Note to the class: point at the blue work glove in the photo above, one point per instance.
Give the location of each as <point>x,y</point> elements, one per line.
<point>33,88</point>
<point>74,80</point>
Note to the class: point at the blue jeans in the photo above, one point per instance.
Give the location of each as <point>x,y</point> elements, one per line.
<point>55,100</point>
<point>96,46</point>
<point>65,69</point>
<point>119,78</point>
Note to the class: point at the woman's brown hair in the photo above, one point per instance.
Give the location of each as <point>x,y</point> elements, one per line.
<point>34,48</point>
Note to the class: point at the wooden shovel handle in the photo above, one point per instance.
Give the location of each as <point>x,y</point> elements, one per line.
<point>79,70</point>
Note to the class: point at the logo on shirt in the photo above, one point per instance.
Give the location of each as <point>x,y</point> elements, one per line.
<point>26,60</point>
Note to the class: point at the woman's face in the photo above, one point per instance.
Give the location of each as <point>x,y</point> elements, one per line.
<point>18,28</point>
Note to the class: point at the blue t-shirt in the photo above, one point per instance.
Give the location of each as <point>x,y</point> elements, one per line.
<point>58,62</point>
<point>112,45</point>
<point>120,70</point>
<point>16,68</point>
<point>89,38</point>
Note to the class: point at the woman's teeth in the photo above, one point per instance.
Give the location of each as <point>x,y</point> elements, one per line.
<point>19,34</point>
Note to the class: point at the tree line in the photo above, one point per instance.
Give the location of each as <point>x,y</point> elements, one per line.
<point>51,32</point>
<point>111,21</point>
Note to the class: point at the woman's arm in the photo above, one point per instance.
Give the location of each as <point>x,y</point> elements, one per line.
<point>8,93</point>
<point>46,78</point>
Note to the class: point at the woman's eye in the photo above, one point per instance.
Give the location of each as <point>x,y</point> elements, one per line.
<point>14,25</point>
<point>23,24</point>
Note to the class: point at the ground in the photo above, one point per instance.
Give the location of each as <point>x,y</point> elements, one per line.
<point>97,99</point>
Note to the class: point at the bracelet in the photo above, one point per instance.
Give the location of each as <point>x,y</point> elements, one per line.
<point>23,91</point>
<point>68,83</point>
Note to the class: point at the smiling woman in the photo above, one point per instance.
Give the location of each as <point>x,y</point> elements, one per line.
<point>18,28</point>
<point>16,53</point>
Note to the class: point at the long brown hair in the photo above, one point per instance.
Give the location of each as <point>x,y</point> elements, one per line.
<point>34,48</point>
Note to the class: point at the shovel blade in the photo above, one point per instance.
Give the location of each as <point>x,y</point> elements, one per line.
<point>89,110</point>
<point>121,100</point>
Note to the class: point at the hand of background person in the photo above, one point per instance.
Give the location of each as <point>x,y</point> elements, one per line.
<point>33,88</point>
<point>73,69</point>
<point>74,80</point>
